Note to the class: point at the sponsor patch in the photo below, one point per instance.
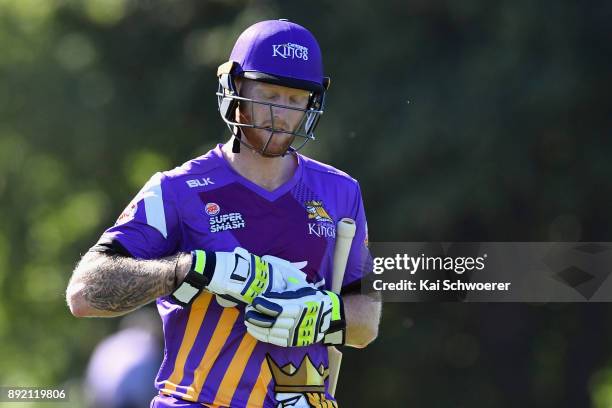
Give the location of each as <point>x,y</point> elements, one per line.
<point>129,212</point>
<point>212,208</point>
<point>224,222</point>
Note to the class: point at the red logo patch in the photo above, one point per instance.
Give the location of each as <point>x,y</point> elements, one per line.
<point>212,208</point>
<point>127,214</point>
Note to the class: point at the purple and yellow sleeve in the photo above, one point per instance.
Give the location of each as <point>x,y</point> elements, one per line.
<point>149,227</point>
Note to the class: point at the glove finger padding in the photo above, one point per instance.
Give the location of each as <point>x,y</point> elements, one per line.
<point>288,276</point>
<point>298,318</point>
<point>257,319</point>
<point>240,275</point>
<point>266,307</point>
<point>278,337</point>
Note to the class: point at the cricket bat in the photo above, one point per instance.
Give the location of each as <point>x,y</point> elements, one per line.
<point>345,231</point>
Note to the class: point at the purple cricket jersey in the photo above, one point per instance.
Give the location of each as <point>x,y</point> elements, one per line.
<point>209,357</point>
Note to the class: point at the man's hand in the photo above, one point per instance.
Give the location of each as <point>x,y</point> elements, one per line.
<point>299,318</point>
<point>238,276</point>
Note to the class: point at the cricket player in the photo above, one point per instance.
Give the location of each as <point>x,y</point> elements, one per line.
<point>236,246</point>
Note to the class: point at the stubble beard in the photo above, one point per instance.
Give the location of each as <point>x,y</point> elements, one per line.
<point>278,144</point>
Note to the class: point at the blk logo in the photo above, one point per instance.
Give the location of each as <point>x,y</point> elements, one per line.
<point>201,182</point>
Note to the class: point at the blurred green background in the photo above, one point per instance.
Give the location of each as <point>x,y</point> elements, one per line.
<point>465,120</point>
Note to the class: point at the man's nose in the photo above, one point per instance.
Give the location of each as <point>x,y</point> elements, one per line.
<point>280,123</point>
<point>279,115</point>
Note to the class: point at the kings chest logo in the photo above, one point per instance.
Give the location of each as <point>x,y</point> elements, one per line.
<point>223,222</point>
<point>320,223</point>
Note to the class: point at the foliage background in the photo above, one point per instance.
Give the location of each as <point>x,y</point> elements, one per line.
<point>463,120</point>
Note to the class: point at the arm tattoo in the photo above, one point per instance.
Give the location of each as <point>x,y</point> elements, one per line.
<point>121,284</point>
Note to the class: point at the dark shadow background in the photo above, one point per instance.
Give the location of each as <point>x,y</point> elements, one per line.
<point>463,120</point>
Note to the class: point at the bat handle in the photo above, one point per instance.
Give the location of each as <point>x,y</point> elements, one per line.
<point>345,231</point>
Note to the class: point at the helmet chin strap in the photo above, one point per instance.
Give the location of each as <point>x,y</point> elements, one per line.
<point>236,145</point>
<point>237,140</point>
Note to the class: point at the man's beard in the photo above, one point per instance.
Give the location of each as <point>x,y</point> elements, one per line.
<point>277,143</point>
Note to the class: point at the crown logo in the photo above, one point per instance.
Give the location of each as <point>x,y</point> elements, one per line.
<point>305,378</point>
<point>316,211</point>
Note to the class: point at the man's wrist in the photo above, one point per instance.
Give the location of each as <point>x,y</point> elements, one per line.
<point>181,268</point>
<point>194,270</point>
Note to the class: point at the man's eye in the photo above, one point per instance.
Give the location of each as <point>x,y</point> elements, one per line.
<point>298,100</point>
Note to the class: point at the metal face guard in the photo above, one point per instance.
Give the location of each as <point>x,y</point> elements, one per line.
<point>304,131</point>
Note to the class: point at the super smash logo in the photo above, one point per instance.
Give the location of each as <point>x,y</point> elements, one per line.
<point>290,50</point>
<point>223,222</point>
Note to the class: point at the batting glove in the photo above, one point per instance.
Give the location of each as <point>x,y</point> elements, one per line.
<point>237,277</point>
<point>298,318</point>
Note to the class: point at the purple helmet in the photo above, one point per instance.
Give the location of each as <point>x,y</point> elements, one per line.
<point>277,52</point>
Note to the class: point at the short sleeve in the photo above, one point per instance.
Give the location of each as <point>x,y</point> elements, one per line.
<point>149,226</point>
<point>359,263</point>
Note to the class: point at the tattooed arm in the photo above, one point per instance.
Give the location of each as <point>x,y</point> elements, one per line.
<point>111,285</point>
